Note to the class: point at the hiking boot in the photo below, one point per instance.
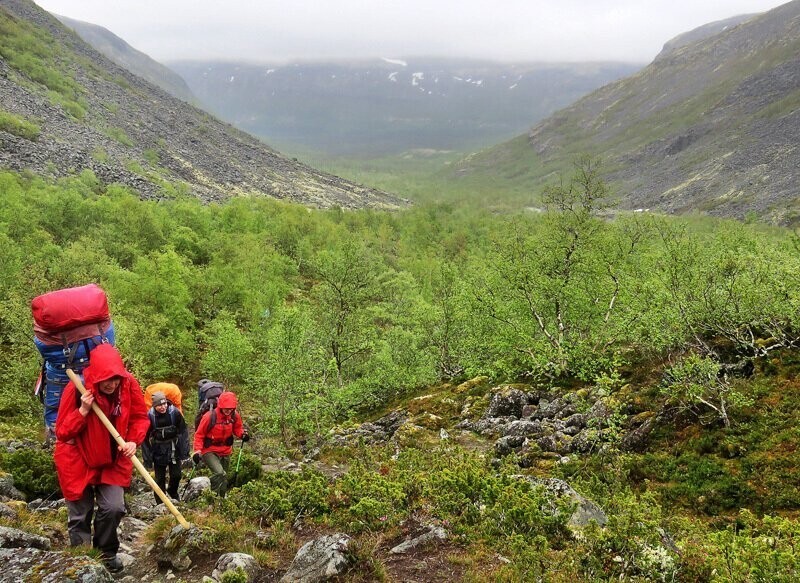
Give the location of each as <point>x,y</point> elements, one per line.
<point>113,564</point>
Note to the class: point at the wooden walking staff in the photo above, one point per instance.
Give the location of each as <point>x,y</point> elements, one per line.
<point>136,463</point>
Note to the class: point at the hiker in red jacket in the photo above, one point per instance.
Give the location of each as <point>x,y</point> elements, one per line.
<point>91,467</point>
<point>213,440</point>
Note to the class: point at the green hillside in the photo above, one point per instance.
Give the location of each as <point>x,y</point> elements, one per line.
<point>710,126</point>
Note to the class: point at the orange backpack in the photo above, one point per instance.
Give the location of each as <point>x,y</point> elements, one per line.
<point>171,392</point>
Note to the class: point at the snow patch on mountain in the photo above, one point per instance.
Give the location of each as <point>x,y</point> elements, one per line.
<point>394,62</point>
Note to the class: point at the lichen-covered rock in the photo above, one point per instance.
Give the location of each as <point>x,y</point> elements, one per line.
<point>174,550</point>
<point>6,511</point>
<point>234,561</point>
<point>14,538</point>
<point>433,534</point>
<point>599,414</point>
<point>509,443</point>
<point>40,505</point>
<point>27,564</point>
<point>319,560</point>
<point>559,408</point>
<point>378,431</point>
<point>576,420</point>
<point>7,489</point>
<point>130,528</point>
<point>585,511</point>
<point>507,402</point>
<point>471,384</point>
<point>556,442</point>
<point>526,428</point>
<point>428,421</point>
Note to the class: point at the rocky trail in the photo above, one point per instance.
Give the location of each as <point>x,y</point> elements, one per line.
<point>540,428</point>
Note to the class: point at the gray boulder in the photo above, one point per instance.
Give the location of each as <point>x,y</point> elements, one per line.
<point>7,489</point>
<point>28,564</point>
<point>556,442</point>
<point>13,538</point>
<point>525,427</point>
<point>585,510</point>
<point>558,408</point>
<point>599,414</point>
<point>491,425</point>
<point>233,561</point>
<point>509,443</point>
<point>319,560</point>
<point>576,420</point>
<point>507,402</point>
<point>434,534</point>
<point>8,512</point>
<point>196,487</point>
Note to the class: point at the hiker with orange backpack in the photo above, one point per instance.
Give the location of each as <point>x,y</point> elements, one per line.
<point>213,439</point>
<point>166,444</point>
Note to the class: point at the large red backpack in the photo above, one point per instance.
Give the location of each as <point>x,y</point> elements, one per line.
<point>67,324</point>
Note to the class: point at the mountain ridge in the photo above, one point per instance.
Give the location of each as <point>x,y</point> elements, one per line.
<point>709,126</point>
<point>92,114</point>
<point>137,62</point>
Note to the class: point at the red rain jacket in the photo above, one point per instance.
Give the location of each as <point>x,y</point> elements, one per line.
<point>85,452</point>
<point>225,428</point>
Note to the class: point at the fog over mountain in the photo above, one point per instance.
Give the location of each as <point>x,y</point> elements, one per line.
<point>387,106</point>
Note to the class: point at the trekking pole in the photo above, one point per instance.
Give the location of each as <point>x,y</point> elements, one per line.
<point>136,463</point>
<point>186,485</point>
<point>239,459</point>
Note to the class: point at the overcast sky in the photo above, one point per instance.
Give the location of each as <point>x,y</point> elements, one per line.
<point>506,30</point>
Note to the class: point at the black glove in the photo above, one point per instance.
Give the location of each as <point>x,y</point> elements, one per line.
<point>245,437</point>
<point>196,459</point>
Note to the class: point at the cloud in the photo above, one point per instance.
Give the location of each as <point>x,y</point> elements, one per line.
<point>510,30</point>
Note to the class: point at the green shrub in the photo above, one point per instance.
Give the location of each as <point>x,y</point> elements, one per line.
<point>18,126</point>
<point>33,470</point>
<point>238,575</point>
<point>282,494</point>
<point>118,135</point>
<point>249,469</point>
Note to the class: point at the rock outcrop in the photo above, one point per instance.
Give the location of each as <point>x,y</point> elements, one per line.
<point>319,560</point>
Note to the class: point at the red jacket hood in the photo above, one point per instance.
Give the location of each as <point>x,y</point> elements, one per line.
<point>227,400</point>
<point>104,363</point>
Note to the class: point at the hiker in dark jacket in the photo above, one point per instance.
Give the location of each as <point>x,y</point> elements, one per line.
<point>213,440</point>
<point>166,443</point>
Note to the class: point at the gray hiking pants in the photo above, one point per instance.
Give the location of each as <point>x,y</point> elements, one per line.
<point>219,466</point>
<point>110,510</point>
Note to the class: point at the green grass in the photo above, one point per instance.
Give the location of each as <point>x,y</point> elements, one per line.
<point>28,50</point>
<point>436,176</point>
<point>118,135</point>
<point>785,106</point>
<point>18,126</point>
